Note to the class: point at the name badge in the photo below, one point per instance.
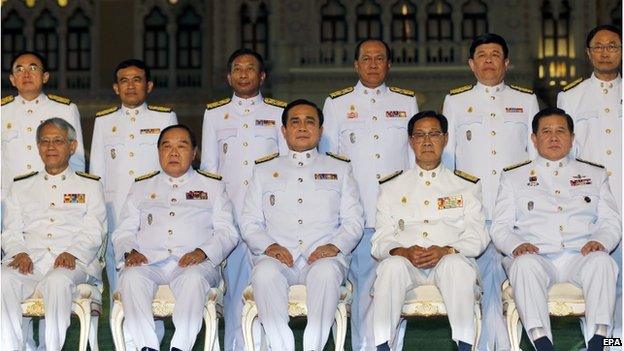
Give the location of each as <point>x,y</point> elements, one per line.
<point>325,176</point>
<point>514,109</point>
<point>196,195</point>
<point>265,122</point>
<point>396,114</point>
<point>150,131</point>
<point>74,198</point>
<point>445,203</point>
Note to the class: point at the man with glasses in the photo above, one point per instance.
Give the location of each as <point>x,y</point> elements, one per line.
<point>595,104</point>
<point>430,227</point>
<point>53,228</point>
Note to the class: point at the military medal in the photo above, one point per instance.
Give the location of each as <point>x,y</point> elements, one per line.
<point>226,116</point>
<point>533,181</point>
<point>469,109</point>
<point>74,198</point>
<point>352,138</point>
<point>352,114</point>
<point>325,176</point>
<point>113,154</point>
<point>150,219</point>
<point>225,146</point>
<point>580,180</point>
<point>272,200</point>
<point>401,224</point>
<point>152,196</point>
<point>530,205</point>
<point>587,199</point>
<point>9,126</point>
<point>275,175</point>
<point>445,203</point>
<point>114,129</point>
<point>403,200</point>
<point>469,135</point>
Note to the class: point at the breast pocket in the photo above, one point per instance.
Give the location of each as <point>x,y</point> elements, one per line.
<point>274,194</point>
<point>516,127</point>
<point>326,199</point>
<point>467,124</point>
<point>352,132</point>
<point>225,137</point>
<point>585,198</point>
<point>8,135</point>
<point>268,137</point>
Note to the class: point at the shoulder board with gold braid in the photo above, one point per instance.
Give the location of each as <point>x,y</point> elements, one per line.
<point>590,163</point>
<point>146,176</point>
<point>159,108</point>
<point>390,176</point>
<point>275,102</point>
<point>24,176</point>
<point>337,157</point>
<point>466,176</point>
<point>108,111</point>
<point>573,84</point>
<point>7,99</point>
<point>517,165</point>
<point>341,92</point>
<point>266,158</point>
<point>209,175</point>
<point>521,89</point>
<point>460,89</point>
<point>59,99</point>
<point>402,91</point>
<point>216,104</point>
<point>87,175</point>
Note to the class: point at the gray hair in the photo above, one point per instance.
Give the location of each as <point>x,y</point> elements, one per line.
<point>60,124</point>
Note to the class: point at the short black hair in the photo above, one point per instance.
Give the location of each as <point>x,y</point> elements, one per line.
<point>427,114</point>
<point>241,52</point>
<point>298,102</point>
<point>489,38</point>
<point>178,126</point>
<point>551,111</point>
<point>359,45</point>
<point>133,63</point>
<point>44,62</point>
<point>592,33</point>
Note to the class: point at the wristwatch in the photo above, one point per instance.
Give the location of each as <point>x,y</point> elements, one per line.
<point>451,250</point>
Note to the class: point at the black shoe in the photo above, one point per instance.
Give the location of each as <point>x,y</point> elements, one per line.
<point>148,349</point>
<point>543,344</point>
<point>175,349</point>
<point>595,343</point>
<point>464,346</point>
<point>383,347</point>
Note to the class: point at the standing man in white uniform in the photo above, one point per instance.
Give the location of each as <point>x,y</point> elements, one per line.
<point>236,131</point>
<point>489,128</point>
<point>556,221</point>
<point>54,226</point>
<point>368,123</point>
<point>176,228</point>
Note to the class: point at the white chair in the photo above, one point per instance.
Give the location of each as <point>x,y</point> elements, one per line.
<point>162,306</point>
<point>297,308</point>
<point>564,300</point>
<point>426,301</point>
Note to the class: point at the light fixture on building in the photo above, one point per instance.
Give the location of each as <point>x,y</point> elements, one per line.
<point>62,3</point>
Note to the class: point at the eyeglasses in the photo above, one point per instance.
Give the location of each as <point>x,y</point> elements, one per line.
<point>433,135</point>
<point>56,142</point>
<point>30,68</point>
<point>601,48</point>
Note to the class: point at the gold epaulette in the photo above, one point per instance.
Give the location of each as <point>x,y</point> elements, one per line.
<point>460,89</point>
<point>7,99</point>
<point>87,175</point>
<point>509,168</point>
<point>146,176</point>
<point>24,176</point>
<point>573,84</point>
<point>107,111</point>
<point>266,158</point>
<point>521,89</point>
<point>390,176</point>
<point>590,163</point>
<point>59,99</point>
<point>337,157</point>
<point>275,102</point>
<point>209,175</point>
<point>216,104</point>
<point>159,108</point>
<point>341,92</point>
<point>402,91</point>
<point>466,176</point>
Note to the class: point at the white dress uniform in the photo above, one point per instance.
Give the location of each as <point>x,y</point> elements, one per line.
<point>20,119</point>
<point>236,132</point>
<point>558,206</point>
<point>124,147</point>
<point>425,208</point>
<point>489,129</point>
<point>369,126</point>
<point>300,201</point>
<point>164,218</point>
<point>46,215</point>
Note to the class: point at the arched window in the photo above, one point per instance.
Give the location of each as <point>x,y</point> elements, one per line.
<point>439,21</point>
<point>333,22</point>
<point>78,42</point>
<point>13,40</point>
<point>189,39</point>
<point>255,27</point>
<point>368,23</point>
<point>156,40</point>
<point>474,21</point>
<point>556,50</point>
<point>46,39</point>
<point>404,27</point>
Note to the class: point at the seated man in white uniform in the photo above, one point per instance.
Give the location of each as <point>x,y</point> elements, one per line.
<point>301,219</point>
<point>430,227</point>
<point>556,220</point>
<point>176,228</point>
<point>54,225</point>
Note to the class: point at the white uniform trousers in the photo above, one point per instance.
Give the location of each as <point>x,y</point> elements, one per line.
<point>454,276</point>
<point>531,275</point>
<point>270,280</point>
<point>362,275</point>
<point>236,275</point>
<point>58,288</point>
<point>189,285</point>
